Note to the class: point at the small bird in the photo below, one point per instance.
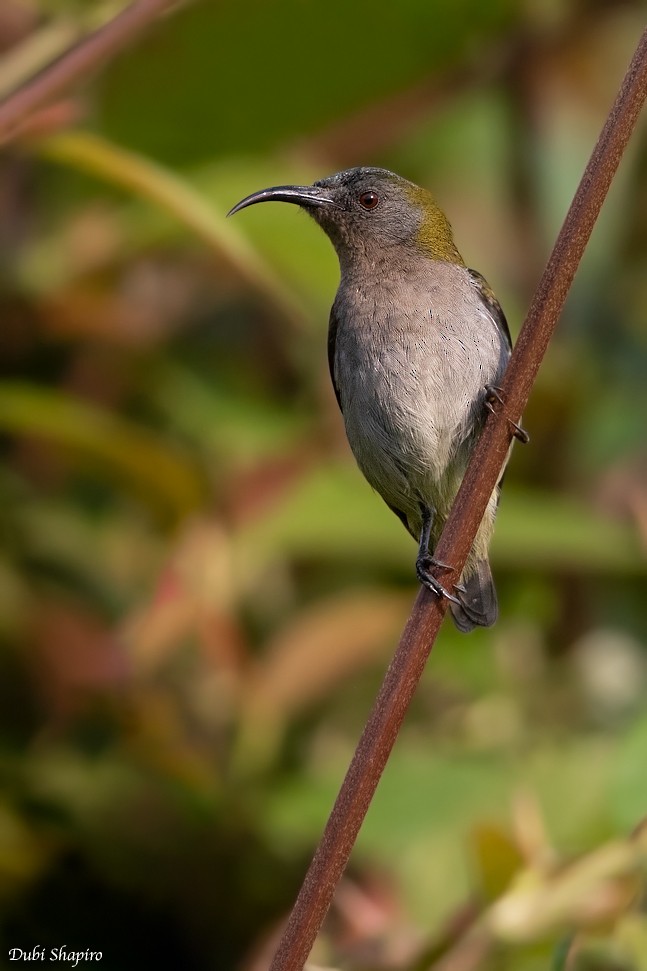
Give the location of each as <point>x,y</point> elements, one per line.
<point>417,345</point>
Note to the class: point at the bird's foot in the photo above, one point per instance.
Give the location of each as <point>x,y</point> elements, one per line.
<point>424,565</point>
<point>494,394</point>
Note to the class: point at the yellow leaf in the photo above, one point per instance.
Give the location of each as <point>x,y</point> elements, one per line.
<point>497,858</point>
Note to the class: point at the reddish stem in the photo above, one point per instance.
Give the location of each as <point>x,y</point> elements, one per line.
<point>480,479</point>
<point>76,63</point>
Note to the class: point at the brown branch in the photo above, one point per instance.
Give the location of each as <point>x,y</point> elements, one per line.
<point>75,64</point>
<point>485,466</point>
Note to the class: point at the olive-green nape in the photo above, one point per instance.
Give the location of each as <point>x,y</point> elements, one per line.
<point>435,234</point>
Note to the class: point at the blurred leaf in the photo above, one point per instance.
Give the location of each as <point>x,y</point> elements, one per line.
<point>15,601</point>
<point>591,891</point>
<point>75,656</point>
<point>629,790</point>
<point>319,648</point>
<point>333,512</point>
<point>194,601</point>
<point>234,427</point>
<point>99,157</point>
<point>497,859</point>
<point>112,558</point>
<point>323,645</point>
<point>275,76</point>
<point>561,956</point>
<point>159,470</point>
<point>23,852</point>
<point>622,948</point>
<point>631,934</point>
<point>559,532</point>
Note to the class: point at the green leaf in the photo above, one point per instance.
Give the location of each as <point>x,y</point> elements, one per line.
<point>629,790</point>
<point>333,512</point>
<point>156,468</point>
<point>150,180</point>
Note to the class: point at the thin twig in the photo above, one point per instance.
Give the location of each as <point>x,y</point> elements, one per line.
<point>76,63</point>
<point>485,466</point>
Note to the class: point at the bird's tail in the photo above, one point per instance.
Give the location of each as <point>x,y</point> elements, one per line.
<point>479,607</point>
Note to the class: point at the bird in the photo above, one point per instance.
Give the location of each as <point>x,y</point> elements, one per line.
<point>417,347</point>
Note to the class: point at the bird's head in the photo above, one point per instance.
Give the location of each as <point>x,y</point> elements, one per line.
<point>368,211</point>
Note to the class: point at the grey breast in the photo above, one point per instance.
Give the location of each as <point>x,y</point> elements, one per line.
<point>412,358</point>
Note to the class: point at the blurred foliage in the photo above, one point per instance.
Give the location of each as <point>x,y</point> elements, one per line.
<point>199,593</point>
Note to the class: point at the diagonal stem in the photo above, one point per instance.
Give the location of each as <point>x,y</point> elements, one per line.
<point>480,479</point>
<point>82,59</point>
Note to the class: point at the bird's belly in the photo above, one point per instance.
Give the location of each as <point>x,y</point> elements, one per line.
<point>410,410</point>
<point>400,436</point>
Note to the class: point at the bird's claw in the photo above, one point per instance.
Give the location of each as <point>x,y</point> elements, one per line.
<point>492,394</point>
<point>519,433</point>
<point>427,562</point>
<point>424,564</point>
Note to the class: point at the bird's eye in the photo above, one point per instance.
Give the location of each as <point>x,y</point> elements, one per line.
<point>369,200</point>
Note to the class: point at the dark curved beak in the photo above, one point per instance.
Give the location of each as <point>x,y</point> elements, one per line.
<point>308,196</point>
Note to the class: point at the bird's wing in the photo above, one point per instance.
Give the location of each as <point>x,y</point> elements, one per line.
<point>332,338</point>
<point>494,307</point>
